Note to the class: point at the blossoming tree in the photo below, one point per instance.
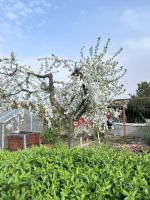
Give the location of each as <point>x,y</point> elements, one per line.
<point>92,83</point>
<point>10,81</point>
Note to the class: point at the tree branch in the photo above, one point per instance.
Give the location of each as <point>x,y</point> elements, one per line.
<point>78,107</point>
<point>18,92</point>
<point>50,89</point>
<point>41,76</point>
<point>81,112</point>
<point>52,93</point>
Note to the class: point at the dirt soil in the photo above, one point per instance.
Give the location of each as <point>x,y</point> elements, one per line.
<point>134,144</point>
<point>137,148</point>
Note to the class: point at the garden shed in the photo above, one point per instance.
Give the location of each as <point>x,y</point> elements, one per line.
<point>16,121</point>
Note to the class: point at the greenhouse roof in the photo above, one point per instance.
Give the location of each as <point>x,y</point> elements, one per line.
<point>7,115</point>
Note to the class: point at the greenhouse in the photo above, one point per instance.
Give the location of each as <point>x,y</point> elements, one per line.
<point>17,121</point>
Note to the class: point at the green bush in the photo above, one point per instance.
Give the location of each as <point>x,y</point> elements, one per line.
<point>49,136</point>
<point>78,174</point>
<point>146,131</point>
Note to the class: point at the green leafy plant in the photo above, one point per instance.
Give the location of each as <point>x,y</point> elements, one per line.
<point>49,136</point>
<point>61,173</point>
<point>146,132</point>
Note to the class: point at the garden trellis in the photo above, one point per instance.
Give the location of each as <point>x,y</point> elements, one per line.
<point>16,121</point>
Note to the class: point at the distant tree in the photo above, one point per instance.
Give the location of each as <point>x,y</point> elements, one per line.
<point>139,106</point>
<point>143,89</point>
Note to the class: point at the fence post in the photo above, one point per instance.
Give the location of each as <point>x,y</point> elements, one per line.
<point>3,136</point>
<point>124,123</point>
<point>31,121</point>
<point>99,141</point>
<point>81,142</point>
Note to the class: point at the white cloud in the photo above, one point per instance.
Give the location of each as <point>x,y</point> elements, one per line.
<point>138,45</point>
<point>136,59</point>
<point>19,5</point>
<point>15,15</point>
<point>19,8</point>
<point>39,10</point>
<point>11,16</point>
<point>46,3</point>
<point>136,19</point>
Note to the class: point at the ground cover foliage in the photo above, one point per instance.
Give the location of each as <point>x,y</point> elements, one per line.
<point>61,173</point>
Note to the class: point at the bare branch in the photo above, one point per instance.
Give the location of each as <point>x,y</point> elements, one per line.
<point>81,111</point>
<point>78,107</point>
<point>41,76</point>
<point>18,92</point>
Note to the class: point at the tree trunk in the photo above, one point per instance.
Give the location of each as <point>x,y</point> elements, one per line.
<point>67,128</point>
<point>64,126</point>
<point>71,132</point>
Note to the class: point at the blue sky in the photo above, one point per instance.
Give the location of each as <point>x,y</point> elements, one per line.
<point>34,28</point>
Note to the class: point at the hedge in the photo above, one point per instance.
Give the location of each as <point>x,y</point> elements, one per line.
<point>77,174</point>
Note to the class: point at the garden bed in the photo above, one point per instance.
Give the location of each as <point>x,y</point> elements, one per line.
<point>134,144</point>
<point>22,140</point>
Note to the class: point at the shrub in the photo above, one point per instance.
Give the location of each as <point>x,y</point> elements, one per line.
<point>79,174</point>
<point>49,136</point>
<point>146,131</point>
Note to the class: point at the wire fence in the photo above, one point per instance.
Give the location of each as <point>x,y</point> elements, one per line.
<point>133,114</point>
<point>137,110</point>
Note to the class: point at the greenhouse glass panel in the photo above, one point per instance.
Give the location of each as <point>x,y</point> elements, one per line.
<point>17,120</point>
